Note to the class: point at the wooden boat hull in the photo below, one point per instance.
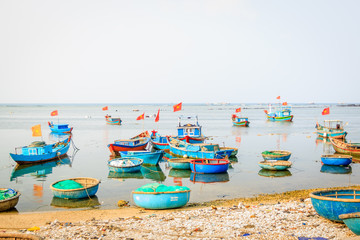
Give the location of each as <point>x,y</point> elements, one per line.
<point>346,148</point>
<point>352,221</point>
<point>149,158</point>
<point>89,190</point>
<point>209,165</point>
<point>241,123</point>
<point>275,166</point>
<point>179,163</point>
<point>9,203</point>
<point>31,159</point>
<point>335,169</point>
<point>165,200</point>
<point>113,121</point>
<point>209,177</point>
<point>283,156</point>
<point>332,203</point>
<point>280,119</point>
<point>336,159</point>
<point>126,169</point>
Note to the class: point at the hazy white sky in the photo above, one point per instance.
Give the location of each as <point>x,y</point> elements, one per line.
<point>161,51</point>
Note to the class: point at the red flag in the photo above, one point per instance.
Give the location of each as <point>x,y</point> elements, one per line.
<point>36,130</point>
<point>284,103</point>
<point>278,97</point>
<point>265,111</point>
<point>105,108</point>
<point>54,113</point>
<point>326,111</point>
<point>177,107</point>
<point>142,116</point>
<point>238,110</point>
<point>157,116</point>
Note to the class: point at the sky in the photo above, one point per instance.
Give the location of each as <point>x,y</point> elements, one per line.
<point>169,51</point>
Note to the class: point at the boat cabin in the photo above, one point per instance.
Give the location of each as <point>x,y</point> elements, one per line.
<point>36,150</point>
<point>334,124</point>
<point>282,111</point>
<point>189,129</point>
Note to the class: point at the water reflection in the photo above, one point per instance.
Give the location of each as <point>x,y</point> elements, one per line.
<point>153,172</point>
<point>335,169</point>
<point>180,173</point>
<point>123,175</point>
<point>75,203</point>
<point>56,137</point>
<point>209,177</point>
<point>272,173</point>
<point>38,170</point>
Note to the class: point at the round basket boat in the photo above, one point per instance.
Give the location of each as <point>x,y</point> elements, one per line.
<point>19,236</point>
<point>209,165</point>
<point>125,165</point>
<point>275,165</point>
<point>9,203</point>
<point>90,187</point>
<point>279,155</point>
<point>352,221</point>
<point>336,159</point>
<point>332,203</point>
<point>179,163</point>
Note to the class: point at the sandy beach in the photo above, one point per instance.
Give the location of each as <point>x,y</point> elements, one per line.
<point>288,215</point>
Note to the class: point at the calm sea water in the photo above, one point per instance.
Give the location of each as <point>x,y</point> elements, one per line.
<point>91,135</point>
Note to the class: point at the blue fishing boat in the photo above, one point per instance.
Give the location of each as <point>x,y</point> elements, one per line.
<point>336,169</point>
<point>137,143</point>
<point>331,129</point>
<point>85,187</point>
<point>10,198</point>
<point>148,157</point>
<point>188,150</point>
<point>179,163</point>
<point>332,203</point>
<point>190,132</point>
<point>352,221</point>
<point>112,121</point>
<point>39,151</point>
<point>60,128</point>
<point>158,196</point>
<point>275,165</point>
<point>336,159</point>
<point>274,173</point>
<point>209,165</point>
<point>277,155</point>
<point>279,114</point>
<point>124,164</point>
<point>209,177</point>
<point>240,121</point>
<point>158,141</point>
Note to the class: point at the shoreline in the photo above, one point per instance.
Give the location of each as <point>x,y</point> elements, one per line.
<point>295,202</point>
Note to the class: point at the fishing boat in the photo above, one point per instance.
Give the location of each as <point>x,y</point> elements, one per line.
<point>279,114</point>
<point>159,196</point>
<point>190,132</point>
<point>233,151</point>
<point>209,165</point>
<point>125,164</point>
<point>331,169</point>
<point>39,151</point>
<point>275,165</point>
<point>209,177</point>
<point>59,128</point>
<point>10,198</point>
<point>332,203</point>
<point>139,142</point>
<point>112,121</point>
<point>179,163</point>
<point>158,141</point>
<point>240,121</point>
<point>276,155</point>
<point>331,129</point>
<point>343,147</point>
<point>188,150</point>
<point>75,188</point>
<point>336,159</point>
<point>352,221</point>
<point>150,158</point>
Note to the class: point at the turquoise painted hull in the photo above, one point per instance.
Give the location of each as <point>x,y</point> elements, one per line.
<point>332,203</point>
<point>149,158</point>
<point>179,165</point>
<point>209,165</point>
<point>198,154</point>
<point>274,168</point>
<point>165,200</point>
<point>328,134</point>
<point>352,221</point>
<point>280,119</point>
<point>77,193</point>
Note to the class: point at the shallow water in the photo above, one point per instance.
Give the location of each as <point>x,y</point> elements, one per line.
<point>244,178</point>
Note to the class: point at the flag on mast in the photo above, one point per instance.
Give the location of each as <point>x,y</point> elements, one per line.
<point>157,116</point>
<point>177,107</point>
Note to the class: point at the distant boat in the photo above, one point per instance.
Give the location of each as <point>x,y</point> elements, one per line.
<point>112,121</point>
<point>280,114</point>
<point>150,158</point>
<point>124,164</point>
<point>276,155</point>
<point>188,150</point>
<point>331,129</point>
<point>240,121</point>
<point>343,147</point>
<point>41,152</point>
<point>139,142</point>
<point>190,132</point>
<point>209,165</point>
<point>275,165</point>
<point>336,159</point>
<point>88,188</point>
<point>59,128</point>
